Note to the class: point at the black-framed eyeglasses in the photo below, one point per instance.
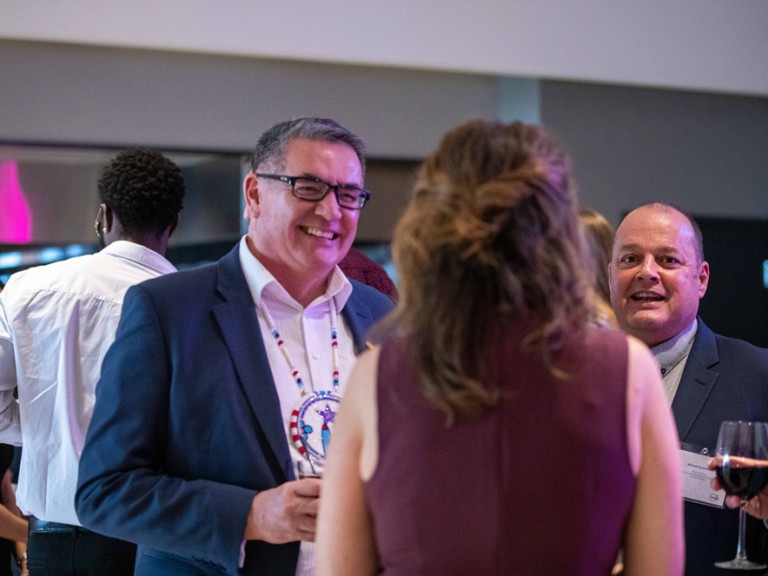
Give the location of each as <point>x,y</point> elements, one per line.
<point>313,189</point>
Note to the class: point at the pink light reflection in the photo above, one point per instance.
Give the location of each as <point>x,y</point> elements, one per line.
<point>15,215</point>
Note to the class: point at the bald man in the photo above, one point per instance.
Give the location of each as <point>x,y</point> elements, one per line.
<point>658,276</point>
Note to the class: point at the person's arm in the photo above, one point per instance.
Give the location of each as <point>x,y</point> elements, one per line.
<point>125,489</point>
<point>352,457</point>
<point>12,525</point>
<point>10,425</point>
<point>655,538</point>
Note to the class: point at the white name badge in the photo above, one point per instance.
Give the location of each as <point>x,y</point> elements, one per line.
<point>696,478</point>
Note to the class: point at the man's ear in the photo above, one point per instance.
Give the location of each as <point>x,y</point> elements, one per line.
<point>251,196</point>
<point>108,217</point>
<point>98,225</point>
<point>703,278</point>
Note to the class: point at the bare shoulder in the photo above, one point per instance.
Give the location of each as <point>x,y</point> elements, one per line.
<point>363,376</point>
<point>641,358</point>
<point>644,396</point>
<point>360,412</point>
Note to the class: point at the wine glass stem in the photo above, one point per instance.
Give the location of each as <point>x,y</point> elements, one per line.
<point>740,553</point>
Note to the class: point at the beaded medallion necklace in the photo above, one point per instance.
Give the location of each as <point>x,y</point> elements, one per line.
<point>310,427</point>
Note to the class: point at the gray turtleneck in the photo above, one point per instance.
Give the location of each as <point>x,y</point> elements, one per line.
<point>672,356</point>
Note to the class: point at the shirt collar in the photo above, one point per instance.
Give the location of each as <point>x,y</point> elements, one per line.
<point>261,282</point>
<point>668,354</point>
<point>138,253</point>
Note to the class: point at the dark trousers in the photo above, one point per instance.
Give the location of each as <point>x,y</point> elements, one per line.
<point>62,550</point>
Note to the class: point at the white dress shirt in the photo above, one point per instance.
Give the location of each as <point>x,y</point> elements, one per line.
<point>307,336</point>
<point>56,324</point>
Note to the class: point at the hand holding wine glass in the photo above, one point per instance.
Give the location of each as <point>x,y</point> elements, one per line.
<point>741,464</point>
<point>310,468</point>
<point>757,506</point>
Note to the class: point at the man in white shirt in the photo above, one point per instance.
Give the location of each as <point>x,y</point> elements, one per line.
<point>56,323</point>
<point>222,377</point>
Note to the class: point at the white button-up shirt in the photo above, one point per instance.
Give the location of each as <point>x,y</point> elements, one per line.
<point>307,336</point>
<point>56,324</point>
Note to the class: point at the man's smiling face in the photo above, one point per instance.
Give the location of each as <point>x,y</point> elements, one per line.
<point>656,274</point>
<point>297,237</point>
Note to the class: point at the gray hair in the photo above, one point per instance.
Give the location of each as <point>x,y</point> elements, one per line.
<point>272,145</point>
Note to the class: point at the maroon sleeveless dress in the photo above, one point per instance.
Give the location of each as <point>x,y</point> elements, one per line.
<point>540,485</point>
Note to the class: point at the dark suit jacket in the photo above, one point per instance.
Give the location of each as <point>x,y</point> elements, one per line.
<point>724,379</point>
<point>187,426</point>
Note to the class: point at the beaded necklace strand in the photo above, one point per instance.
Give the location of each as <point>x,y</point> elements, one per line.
<point>282,347</point>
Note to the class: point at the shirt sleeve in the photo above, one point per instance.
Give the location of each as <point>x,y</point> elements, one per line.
<point>10,421</point>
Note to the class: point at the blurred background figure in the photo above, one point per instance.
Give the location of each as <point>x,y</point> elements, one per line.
<point>56,323</point>
<point>599,236</point>
<point>13,526</point>
<point>357,265</point>
<point>497,430</point>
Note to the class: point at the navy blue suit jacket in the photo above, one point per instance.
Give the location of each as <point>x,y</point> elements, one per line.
<point>724,379</point>
<point>187,425</point>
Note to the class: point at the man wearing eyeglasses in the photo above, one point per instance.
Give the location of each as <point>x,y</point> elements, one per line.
<point>222,378</point>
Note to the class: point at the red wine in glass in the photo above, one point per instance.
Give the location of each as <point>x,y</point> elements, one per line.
<point>743,477</point>
<point>742,469</point>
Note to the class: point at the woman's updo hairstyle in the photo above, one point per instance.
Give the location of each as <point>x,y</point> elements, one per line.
<point>491,231</point>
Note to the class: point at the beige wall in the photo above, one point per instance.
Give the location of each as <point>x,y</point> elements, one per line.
<point>703,151</point>
<point>707,45</point>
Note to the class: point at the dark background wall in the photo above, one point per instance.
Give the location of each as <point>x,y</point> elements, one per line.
<point>707,153</point>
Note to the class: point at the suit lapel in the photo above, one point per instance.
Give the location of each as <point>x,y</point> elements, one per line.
<point>697,381</point>
<point>359,318</point>
<point>239,326</point>
<point>236,316</point>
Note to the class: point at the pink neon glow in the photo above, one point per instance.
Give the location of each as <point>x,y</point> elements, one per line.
<point>15,215</point>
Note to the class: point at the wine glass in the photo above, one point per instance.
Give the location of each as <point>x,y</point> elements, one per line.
<point>310,468</point>
<point>742,469</point>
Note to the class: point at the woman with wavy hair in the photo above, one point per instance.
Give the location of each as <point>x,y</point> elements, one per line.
<point>497,430</point>
<point>599,236</point>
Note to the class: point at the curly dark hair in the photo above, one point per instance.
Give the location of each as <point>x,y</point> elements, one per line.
<point>144,188</point>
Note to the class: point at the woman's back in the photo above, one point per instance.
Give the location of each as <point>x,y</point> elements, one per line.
<point>541,484</point>
<point>539,474</point>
